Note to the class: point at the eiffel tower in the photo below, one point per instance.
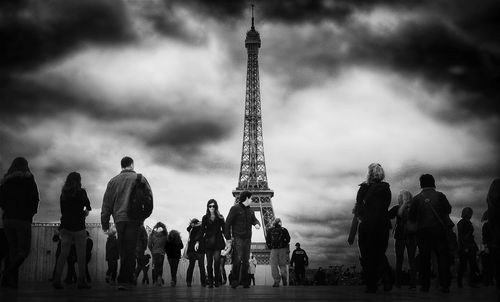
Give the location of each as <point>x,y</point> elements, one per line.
<point>253,175</point>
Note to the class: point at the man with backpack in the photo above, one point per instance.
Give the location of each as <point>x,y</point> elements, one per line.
<point>277,240</point>
<point>129,199</point>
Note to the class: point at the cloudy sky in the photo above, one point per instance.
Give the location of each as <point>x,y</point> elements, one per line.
<point>412,86</point>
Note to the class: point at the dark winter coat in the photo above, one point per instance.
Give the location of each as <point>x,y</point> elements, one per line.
<point>299,258</point>
<point>112,251</point>
<point>174,248</point>
<point>239,222</point>
<point>466,236</point>
<point>212,233</point>
<point>421,211</point>
<point>72,210</point>
<point>195,236</point>
<point>19,196</point>
<point>372,203</point>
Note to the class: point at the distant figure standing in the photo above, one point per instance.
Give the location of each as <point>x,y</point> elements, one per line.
<point>195,254</point>
<point>299,262</point>
<point>372,203</point>
<point>430,209</point>
<point>467,248</point>
<point>405,235</point>
<point>75,207</point>
<point>173,249</point>
<point>112,256</point>
<point>485,254</point>
<point>156,244</point>
<point>117,201</point>
<point>19,201</point>
<point>212,234</point>
<point>252,267</point>
<point>493,200</point>
<point>278,240</point>
<point>238,233</point>
<point>57,239</point>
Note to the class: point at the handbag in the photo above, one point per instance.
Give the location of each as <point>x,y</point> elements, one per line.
<point>451,237</point>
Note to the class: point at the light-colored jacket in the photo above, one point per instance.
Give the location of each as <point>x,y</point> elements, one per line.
<point>252,266</point>
<point>116,197</point>
<point>156,243</point>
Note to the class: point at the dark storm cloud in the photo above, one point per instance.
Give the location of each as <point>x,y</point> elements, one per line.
<point>34,32</point>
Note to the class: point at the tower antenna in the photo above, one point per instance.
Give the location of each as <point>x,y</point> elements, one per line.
<point>252,17</point>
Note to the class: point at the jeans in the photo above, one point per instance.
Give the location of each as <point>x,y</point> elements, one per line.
<point>174,264</point>
<point>128,233</point>
<point>241,255</point>
<point>67,239</point>
<point>193,257</point>
<point>372,246</point>
<point>157,272</point>
<point>433,240</point>
<point>18,234</point>
<point>410,244</point>
<point>278,259</point>
<point>213,263</point>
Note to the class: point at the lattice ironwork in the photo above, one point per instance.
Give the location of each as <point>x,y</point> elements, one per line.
<point>253,176</point>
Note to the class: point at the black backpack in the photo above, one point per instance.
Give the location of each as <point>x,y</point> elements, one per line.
<point>140,204</point>
<point>278,238</point>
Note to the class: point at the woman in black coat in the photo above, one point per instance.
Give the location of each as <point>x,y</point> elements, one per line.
<point>173,249</point>
<point>19,200</point>
<point>212,230</point>
<point>372,203</point>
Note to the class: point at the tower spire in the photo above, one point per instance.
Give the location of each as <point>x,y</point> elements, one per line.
<point>253,27</point>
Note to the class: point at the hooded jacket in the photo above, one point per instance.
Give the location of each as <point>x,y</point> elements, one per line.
<point>19,196</point>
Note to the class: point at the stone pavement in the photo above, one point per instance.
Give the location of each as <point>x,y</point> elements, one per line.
<point>102,292</point>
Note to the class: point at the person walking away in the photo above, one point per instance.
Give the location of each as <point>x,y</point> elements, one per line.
<point>238,233</point>
<point>430,209</point>
<point>112,256</point>
<point>19,201</point>
<point>405,237</point>
<point>299,262</point>
<point>278,240</point>
<point>372,203</point>
<point>467,248</point>
<point>128,198</point>
<point>195,254</point>
<point>212,230</point>
<point>75,207</point>
<point>173,248</point>
<point>156,244</point>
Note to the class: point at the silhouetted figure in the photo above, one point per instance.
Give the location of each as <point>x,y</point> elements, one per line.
<point>372,203</point>
<point>405,235</point>
<point>70,271</point>
<point>140,250</point>
<point>195,255</point>
<point>19,201</point>
<point>430,210</point>
<point>320,277</point>
<point>212,230</point>
<point>485,254</point>
<point>56,238</point>
<point>89,245</point>
<point>278,240</point>
<point>4,246</point>
<point>238,233</point>
<point>156,243</point>
<point>252,267</point>
<point>173,249</point>
<point>116,202</point>
<point>75,206</point>
<point>112,256</point>
<point>493,200</point>
<point>299,262</point>
<point>467,248</point>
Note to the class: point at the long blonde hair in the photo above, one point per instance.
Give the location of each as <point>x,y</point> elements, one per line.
<point>405,197</point>
<point>375,173</point>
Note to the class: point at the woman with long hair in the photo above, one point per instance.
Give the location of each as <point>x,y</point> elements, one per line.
<point>212,230</point>
<point>19,201</point>
<point>372,203</point>
<point>173,249</point>
<point>195,252</point>
<point>75,207</point>
<point>156,244</point>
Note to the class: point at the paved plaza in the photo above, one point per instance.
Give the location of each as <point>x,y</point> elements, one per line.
<point>102,292</point>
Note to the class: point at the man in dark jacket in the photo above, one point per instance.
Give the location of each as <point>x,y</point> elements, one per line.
<point>300,261</point>
<point>430,210</point>
<point>195,233</point>
<point>238,232</point>
<point>115,202</point>
<point>277,240</point>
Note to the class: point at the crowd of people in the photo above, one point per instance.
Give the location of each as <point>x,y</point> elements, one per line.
<point>423,229</point>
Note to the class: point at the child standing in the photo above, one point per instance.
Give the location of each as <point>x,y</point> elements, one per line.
<point>112,256</point>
